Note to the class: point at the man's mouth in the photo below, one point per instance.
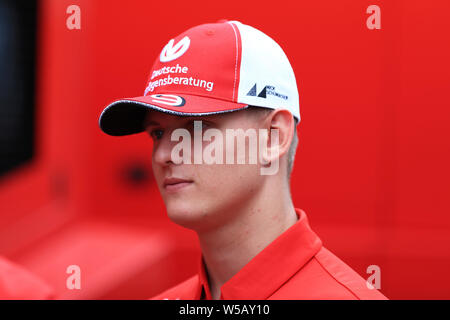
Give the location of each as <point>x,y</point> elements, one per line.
<point>175,184</point>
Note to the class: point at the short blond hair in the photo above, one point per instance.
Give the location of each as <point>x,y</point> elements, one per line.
<point>292,151</point>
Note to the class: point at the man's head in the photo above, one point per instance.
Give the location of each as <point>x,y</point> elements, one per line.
<point>232,77</point>
<point>203,196</point>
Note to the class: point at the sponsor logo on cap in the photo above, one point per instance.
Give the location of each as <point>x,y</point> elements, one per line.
<point>168,99</point>
<point>171,52</point>
<point>267,90</point>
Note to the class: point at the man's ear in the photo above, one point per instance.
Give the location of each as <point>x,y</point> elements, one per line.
<point>280,125</point>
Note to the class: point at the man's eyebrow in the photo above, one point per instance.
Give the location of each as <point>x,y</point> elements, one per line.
<point>150,123</point>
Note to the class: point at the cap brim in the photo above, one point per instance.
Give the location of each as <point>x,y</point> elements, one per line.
<point>127,116</point>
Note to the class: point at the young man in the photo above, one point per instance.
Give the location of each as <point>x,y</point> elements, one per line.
<point>211,86</point>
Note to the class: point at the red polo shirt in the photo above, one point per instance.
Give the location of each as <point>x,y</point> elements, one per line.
<point>294,266</point>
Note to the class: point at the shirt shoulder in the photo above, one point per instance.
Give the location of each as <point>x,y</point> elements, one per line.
<point>326,277</point>
<point>186,290</point>
<point>346,277</point>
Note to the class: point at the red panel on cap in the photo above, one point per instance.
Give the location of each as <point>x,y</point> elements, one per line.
<point>206,63</point>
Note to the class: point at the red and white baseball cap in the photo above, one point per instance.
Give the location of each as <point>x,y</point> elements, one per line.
<point>209,69</point>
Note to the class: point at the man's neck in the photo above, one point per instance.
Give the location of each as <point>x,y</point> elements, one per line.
<point>228,248</point>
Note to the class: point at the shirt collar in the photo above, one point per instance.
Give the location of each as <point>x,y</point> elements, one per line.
<point>270,268</point>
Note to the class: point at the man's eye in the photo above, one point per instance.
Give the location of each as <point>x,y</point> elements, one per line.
<point>157,134</point>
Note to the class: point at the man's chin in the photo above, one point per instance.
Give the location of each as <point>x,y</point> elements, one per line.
<point>191,218</point>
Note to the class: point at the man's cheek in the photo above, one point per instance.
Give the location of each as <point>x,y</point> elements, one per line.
<point>214,180</point>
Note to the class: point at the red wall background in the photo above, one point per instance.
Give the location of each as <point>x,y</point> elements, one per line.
<point>371,170</point>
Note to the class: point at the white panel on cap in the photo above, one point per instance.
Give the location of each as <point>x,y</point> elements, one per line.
<point>264,63</point>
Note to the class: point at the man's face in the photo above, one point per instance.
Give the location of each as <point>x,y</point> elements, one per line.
<point>203,196</point>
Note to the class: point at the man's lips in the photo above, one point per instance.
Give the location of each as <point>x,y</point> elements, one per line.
<point>174,184</point>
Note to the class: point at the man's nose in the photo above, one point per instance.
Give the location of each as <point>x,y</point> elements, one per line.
<point>162,152</point>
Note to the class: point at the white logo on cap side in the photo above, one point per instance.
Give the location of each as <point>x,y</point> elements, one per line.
<point>171,52</point>
<point>168,99</point>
